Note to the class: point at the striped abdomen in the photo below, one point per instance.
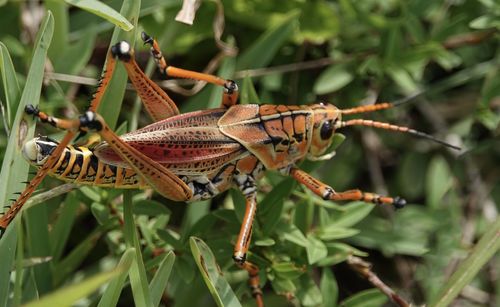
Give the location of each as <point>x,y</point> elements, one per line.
<point>80,165</point>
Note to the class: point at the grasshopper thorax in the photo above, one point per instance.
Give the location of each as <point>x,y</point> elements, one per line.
<point>37,150</point>
<point>326,117</point>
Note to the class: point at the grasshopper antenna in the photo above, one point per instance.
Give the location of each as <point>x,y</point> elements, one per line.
<point>381,105</point>
<point>387,126</point>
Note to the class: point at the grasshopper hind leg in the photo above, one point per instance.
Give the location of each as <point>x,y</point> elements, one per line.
<point>248,171</point>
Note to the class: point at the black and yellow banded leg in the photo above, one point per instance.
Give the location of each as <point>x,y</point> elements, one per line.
<point>327,193</point>
<point>231,93</point>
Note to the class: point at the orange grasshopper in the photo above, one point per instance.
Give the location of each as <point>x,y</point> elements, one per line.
<point>197,155</point>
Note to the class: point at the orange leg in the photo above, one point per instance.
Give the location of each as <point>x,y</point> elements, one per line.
<point>327,193</point>
<point>241,248</point>
<point>231,93</point>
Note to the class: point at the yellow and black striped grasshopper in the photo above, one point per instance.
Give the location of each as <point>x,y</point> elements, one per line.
<point>197,155</point>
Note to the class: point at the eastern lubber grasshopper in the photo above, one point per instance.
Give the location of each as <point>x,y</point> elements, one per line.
<point>194,156</point>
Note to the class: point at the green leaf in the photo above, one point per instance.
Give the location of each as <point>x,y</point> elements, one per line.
<point>112,293</point>
<point>219,288</point>
<point>160,279</point>
<point>138,276</point>
<point>333,79</point>
<point>15,170</point>
<point>287,270</point>
<point>484,250</point>
<point>353,213</point>
<point>68,295</point>
<point>8,245</point>
<point>329,288</point>
<point>248,93</point>
<point>271,206</point>
<point>485,22</point>
<point>316,250</point>
<point>439,181</point>
<point>366,298</point>
<point>62,227</point>
<point>267,45</point>
<point>403,79</point>
<point>293,234</point>
<point>308,293</point>
<point>60,41</point>
<point>100,9</point>
<point>77,255</point>
<point>10,84</point>
<point>150,208</point>
<point>333,232</point>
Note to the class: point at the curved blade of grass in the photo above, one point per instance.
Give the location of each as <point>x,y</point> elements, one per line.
<point>78,254</point>
<point>112,100</point>
<point>219,288</point>
<point>112,293</point>
<point>159,281</point>
<point>8,246</point>
<point>15,170</point>
<point>248,92</point>
<point>370,297</point>
<point>137,273</point>
<point>265,47</point>
<point>100,9</point>
<point>60,41</point>
<point>9,82</point>
<point>482,253</point>
<point>70,294</point>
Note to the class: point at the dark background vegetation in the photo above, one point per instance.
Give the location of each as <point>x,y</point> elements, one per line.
<point>345,52</point>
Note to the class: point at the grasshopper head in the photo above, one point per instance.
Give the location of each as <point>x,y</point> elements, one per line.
<point>37,150</point>
<point>326,117</point>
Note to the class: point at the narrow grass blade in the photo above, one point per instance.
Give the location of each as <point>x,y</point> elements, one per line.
<point>15,170</point>
<point>138,278</point>
<point>100,9</point>
<point>159,282</point>
<point>219,288</point>
<point>60,41</point>
<point>265,47</point>
<point>62,227</point>
<point>70,294</point>
<point>70,263</point>
<point>9,82</point>
<point>112,293</point>
<point>8,246</point>
<point>248,92</point>
<point>370,297</point>
<point>482,253</point>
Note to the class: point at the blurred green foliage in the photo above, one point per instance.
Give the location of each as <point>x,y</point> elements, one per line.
<point>289,52</point>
